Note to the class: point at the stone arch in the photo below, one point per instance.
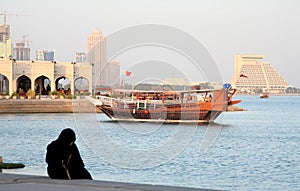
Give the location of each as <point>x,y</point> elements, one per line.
<point>81,85</point>
<point>42,85</point>
<point>62,82</point>
<point>23,84</point>
<point>4,84</point>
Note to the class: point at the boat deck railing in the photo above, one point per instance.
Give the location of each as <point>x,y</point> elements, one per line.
<point>133,103</point>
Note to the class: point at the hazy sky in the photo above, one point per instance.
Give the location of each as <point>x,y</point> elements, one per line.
<point>224,27</point>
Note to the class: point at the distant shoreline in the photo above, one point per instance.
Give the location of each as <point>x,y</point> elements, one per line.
<point>240,94</point>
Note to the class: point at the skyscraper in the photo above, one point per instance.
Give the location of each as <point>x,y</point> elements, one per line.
<point>104,73</point>
<point>251,74</point>
<point>114,73</point>
<point>94,38</point>
<point>96,55</point>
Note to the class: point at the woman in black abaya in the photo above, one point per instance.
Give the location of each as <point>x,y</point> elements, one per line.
<point>63,158</point>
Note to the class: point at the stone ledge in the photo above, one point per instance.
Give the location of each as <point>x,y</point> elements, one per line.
<point>27,182</point>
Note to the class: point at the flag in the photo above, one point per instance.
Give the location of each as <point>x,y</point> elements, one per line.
<point>127,73</point>
<point>244,76</point>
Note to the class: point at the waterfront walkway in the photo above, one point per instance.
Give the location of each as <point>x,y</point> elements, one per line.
<point>15,182</point>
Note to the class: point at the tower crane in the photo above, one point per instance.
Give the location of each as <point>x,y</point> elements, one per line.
<point>5,33</point>
<point>5,15</point>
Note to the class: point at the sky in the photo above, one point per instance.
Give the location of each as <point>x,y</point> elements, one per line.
<point>224,27</point>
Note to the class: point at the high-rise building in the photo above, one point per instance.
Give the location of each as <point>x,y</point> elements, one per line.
<point>94,38</point>
<point>104,73</point>
<point>114,73</point>
<point>21,52</point>
<point>80,57</point>
<point>5,41</point>
<point>96,55</point>
<point>45,55</point>
<point>251,74</point>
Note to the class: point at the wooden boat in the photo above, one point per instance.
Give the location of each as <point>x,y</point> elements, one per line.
<point>264,95</point>
<point>167,106</point>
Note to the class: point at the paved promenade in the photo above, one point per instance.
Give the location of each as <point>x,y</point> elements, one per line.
<point>15,182</point>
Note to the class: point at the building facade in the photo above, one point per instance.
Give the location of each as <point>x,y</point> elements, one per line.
<point>36,75</point>
<point>253,75</point>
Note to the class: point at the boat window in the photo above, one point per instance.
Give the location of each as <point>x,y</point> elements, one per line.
<point>141,106</point>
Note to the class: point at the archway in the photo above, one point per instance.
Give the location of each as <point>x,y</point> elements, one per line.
<point>4,85</point>
<point>81,85</point>
<point>63,84</point>
<point>42,85</point>
<point>23,84</point>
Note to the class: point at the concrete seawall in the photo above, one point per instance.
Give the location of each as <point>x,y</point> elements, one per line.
<point>28,183</point>
<point>47,105</point>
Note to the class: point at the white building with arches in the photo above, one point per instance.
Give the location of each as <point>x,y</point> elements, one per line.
<point>43,76</point>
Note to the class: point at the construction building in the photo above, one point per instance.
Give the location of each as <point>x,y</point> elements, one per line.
<point>80,57</point>
<point>5,41</point>
<point>21,52</point>
<point>253,75</point>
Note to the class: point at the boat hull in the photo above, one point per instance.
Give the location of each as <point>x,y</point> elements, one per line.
<point>167,115</point>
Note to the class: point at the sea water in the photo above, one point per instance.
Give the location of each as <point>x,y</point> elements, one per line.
<point>257,149</point>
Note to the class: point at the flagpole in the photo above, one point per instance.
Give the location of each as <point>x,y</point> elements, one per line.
<point>127,73</point>
<point>132,85</point>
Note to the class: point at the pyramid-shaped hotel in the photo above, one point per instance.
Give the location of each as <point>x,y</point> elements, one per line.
<point>253,75</point>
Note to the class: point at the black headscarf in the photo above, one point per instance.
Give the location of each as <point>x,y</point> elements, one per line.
<point>66,137</point>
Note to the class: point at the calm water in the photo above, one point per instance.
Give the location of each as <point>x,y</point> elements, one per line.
<point>254,150</point>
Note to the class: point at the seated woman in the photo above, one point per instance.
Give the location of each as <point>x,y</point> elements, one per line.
<point>63,158</point>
